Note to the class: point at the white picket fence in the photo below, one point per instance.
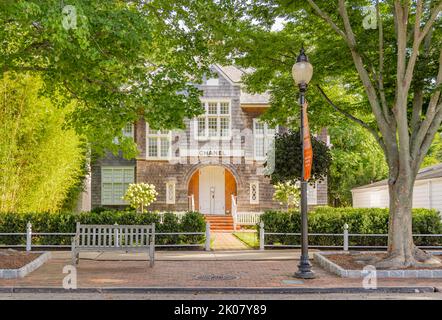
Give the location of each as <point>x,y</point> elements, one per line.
<point>248,218</point>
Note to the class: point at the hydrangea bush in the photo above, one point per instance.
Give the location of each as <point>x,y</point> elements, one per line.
<point>287,193</point>
<point>140,195</point>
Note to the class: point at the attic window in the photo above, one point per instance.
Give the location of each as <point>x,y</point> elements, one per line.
<point>212,82</point>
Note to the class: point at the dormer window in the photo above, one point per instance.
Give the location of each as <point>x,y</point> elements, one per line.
<point>215,123</point>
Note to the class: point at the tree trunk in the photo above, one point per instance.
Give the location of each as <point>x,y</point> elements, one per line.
<point>402,252</point>
<point>400,239</point>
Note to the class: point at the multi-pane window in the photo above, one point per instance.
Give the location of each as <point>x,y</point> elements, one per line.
<point>114,183</point>
<point>128,130</point>
<point>201,126</point>
<point>263,136</point>
<point>215,123</point>
<point>158,144</point>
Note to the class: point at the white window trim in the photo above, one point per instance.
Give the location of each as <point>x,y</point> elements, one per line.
<point>256,184</point>
<point>132,131</point>
<point>120,201</point>
<point>158,136</point>
<point>169,199</point>
<point>218,115</point>
<point>132,135</point>
<point>264,135</point>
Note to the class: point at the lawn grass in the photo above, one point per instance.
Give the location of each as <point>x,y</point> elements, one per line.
<point>249,238</point>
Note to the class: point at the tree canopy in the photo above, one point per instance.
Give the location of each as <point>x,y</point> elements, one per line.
<point>119,59</point>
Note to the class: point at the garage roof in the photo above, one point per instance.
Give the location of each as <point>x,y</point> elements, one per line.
<point>431,172</point>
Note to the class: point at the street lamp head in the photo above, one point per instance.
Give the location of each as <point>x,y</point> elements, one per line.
<point>302,70</point>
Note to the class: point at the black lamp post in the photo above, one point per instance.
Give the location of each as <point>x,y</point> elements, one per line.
<point>302,73</point>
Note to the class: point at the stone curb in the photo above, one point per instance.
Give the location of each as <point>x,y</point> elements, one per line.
<point>328,265</point>
<point>25,270</point>
<point>238,290</point>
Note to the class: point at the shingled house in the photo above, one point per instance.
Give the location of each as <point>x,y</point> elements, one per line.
<point>215,166</point>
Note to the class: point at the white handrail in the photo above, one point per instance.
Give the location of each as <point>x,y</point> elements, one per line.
<point>192,202</point>
<point>234,212</point>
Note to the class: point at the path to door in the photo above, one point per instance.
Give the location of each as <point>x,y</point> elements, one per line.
<point>226,241</point>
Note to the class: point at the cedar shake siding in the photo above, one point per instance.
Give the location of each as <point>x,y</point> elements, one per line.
<point>177,177</point>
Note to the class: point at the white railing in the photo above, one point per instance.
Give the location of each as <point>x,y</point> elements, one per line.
<point>338,244</point>
<point>248,218</point>
<point>191,202</point>
<point>234,212</point>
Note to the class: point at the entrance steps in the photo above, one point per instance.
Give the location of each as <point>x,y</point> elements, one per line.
<point>220,222</point>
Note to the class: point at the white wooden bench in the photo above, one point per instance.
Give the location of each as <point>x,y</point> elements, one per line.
<point>129,238</point>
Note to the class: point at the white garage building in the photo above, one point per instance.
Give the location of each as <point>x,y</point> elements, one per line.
<point>427,191</point>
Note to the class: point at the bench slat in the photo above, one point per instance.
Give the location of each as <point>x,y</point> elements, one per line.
<point>88,237</point>
<point>82,236</point>
<point>114,236</point>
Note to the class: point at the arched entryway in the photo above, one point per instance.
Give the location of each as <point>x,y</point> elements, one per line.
<point>212,188</point>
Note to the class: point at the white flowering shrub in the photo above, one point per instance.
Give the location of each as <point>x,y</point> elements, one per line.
<point>287,193</point>
<point>140,195</point>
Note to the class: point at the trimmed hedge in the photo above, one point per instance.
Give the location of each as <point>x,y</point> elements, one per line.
<point>64,222</point>
<point>359,220</point>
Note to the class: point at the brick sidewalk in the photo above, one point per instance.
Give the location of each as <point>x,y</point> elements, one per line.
<point>258,273</point>
<point>227,241</point>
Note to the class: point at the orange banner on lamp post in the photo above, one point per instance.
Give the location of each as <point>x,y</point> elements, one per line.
<point>307,146</point>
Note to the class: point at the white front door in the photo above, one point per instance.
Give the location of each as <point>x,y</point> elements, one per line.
<point>212,190</point>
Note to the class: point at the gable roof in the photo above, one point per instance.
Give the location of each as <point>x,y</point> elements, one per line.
<point>234,75</point>
<point>427,173</point>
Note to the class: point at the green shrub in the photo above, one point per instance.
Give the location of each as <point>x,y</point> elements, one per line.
<point>65,222</point>
<point>170,224</point>
<point>193,222</point>
<point>359,220</point>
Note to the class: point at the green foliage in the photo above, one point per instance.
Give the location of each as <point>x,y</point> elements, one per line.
<point>434,155</point>
<point>40,161</point>
<point>287,193</point>
<point>288,158</point>
<point>73,194</point>
<point>190,222</point>
<point>140,195</point>
<point>270,53</point>
<point>357,160</point>
<point>359,220</point>
<point>122,59</point>
<point>12,222</point>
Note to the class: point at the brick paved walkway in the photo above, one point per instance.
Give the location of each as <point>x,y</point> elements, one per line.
<point>227,241</point>
<point>253,273</point>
